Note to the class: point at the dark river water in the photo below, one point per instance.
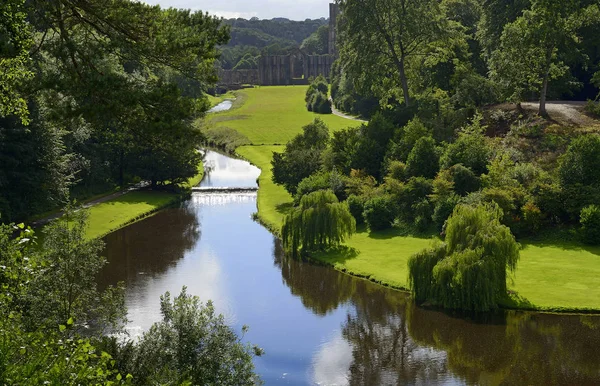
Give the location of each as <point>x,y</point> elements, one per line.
<point>319,326</point>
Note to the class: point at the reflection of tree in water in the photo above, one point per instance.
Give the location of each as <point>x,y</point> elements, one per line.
<point>525,348</point>
<point>395,342</point>
<point>150,246</point>
<point>321,289</point>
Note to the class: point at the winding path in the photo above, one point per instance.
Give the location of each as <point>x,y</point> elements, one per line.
<point>335,111</point>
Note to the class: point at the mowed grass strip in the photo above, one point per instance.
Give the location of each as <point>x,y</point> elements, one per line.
<point>275,114</point>
<point>114,214</point>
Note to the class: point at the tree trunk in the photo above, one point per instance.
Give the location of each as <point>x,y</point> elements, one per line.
<point>544,91</point>
<point>404,82</point>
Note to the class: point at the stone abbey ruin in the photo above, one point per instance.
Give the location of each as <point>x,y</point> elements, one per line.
<point>293,69</point>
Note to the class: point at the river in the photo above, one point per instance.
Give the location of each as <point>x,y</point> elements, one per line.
<point>319,326</point>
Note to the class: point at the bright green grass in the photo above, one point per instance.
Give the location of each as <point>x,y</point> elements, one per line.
<point>559,275</point>
<point>114,214</point>
<point>275,114</point>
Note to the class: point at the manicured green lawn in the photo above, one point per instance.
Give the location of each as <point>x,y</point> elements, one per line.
<point>114,214</point>
<point>273,115</point>
<point>559,275</point>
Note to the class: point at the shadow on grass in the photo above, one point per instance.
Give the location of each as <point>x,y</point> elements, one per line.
<point>515,301</point>
<point>284,208</point>
<point>338,254</point>
<point>562,238</point>
<point>396,231</point>
<point>225,118</point>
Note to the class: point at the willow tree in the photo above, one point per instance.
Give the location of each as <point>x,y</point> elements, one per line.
<point>318,222</point>
<point>468,271</point>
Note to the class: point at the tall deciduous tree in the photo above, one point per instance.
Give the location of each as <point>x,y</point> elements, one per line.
<point>534,48</point>
<point>386,41</point>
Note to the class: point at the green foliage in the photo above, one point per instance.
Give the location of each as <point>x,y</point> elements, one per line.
<point>443,209</point>
<point>322,181</point>
<point>581,162</point>
<point>468,271</point>
<point>318,42</point>
<point>302,156</point>
<point>471,150</point>
<point>384,55</point>
<point>465,181</point>
<point>318,222</point>
<point>590,224</point>
<point>423,160</point>
<point>397,170</point>
<point>533,47</point>
<point>316,96</point>
<point>15,42</point>
<point>66,290</point>
<point>379,213</point>
<point>405,139</point>
<point>410,199</point>
<point>356,206</point>
<point>191,345</point>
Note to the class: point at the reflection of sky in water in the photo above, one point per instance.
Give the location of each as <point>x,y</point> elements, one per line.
<point>222,171</point>
<point>332,362</point>
<point>223,106</point>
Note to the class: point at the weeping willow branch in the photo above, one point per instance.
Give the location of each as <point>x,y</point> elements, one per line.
<point>318,222</point>
<point>468,271</point>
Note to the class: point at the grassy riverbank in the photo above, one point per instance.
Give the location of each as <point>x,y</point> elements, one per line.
<point>128,208</point>
<point>551,275</point>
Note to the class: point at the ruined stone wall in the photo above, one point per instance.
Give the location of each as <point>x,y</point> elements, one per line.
<point>238,77</point>
<point>318,65</point>
<point>275,70</point>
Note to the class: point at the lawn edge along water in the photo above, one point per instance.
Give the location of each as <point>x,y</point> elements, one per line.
<point>115,214</point>
<point>382,249</point>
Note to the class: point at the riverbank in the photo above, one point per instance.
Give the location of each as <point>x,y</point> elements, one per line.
<point>126,209</point>
<point>551,275</point>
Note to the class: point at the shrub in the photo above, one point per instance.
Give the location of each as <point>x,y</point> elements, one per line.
<point>465,181</point>
<point>356,205</point>
<point>532,217</point>
<point>443,209</point>
<point>423,211</point>
<point>379,213</point>
<point>471,150</point>
<point>590,224</point>
<point>322,181</point>
<point>423,159</point>
<point>320,104</point>
<point>581,162</point>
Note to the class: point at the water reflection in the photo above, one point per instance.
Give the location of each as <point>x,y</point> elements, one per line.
<point>320,326</point>
<point>132,254</point>
<point>222,171</point>
<point>394,342</point>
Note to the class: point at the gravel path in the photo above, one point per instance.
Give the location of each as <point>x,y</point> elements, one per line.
<point>335,111</point>
<point>568,113</point>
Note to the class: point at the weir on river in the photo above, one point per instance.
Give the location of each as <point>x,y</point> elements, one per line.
<point>319,326</point>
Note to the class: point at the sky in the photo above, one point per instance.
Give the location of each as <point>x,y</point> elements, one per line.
<point>263,9</point>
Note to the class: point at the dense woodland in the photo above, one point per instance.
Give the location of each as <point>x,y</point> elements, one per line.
<point>443,153</point>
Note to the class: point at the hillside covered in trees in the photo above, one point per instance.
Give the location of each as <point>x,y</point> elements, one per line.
<point>251,38</point>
